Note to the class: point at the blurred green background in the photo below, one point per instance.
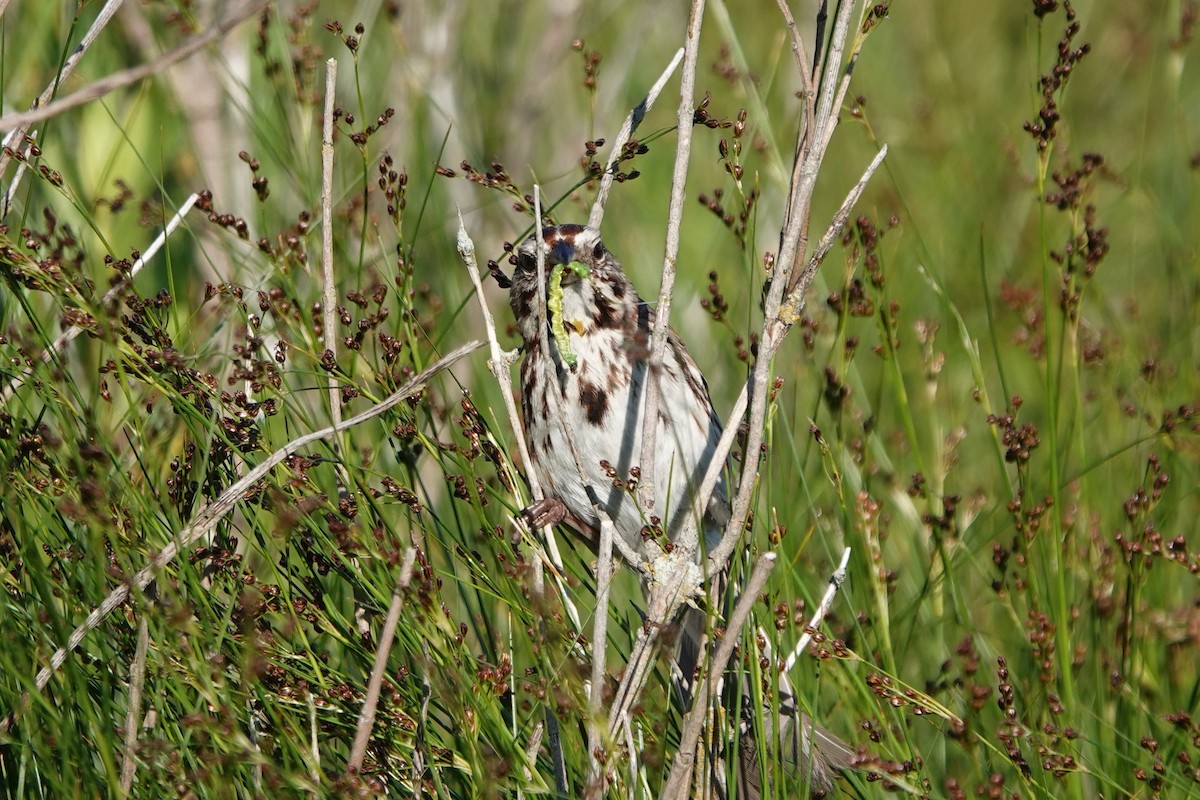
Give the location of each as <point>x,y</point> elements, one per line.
<point>1066,565</point>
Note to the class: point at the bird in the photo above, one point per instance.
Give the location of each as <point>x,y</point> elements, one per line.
<point>586,371</point>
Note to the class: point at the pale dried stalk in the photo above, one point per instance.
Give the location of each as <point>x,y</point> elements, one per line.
<point>807,87</point>
<point>835,582</point>
<point>329,286</point>
<point>499,364</point>
<point>607,530</point>
<point>662,607</point>
<point>789,314</point>
<point>647,491</point>
<point>631,748</point>
<point>680,776</point>
<point>809,157</point>
<point>208,518</point>
<point>531,752</point>
<point>366,717</point>
<point>604,574</point>
<point>670,579</point>
<point>133,714</point>
<point>799,53</point>
<point>328,283</point>
<point>674,579</point>
<point>813,139</point>
<point>792,236</point>
<point>811,149</point>
<point>19,122</point>
<point>793,303</point>
<point>627,130</point>
<point>68,336</point>
<point>314,747</point>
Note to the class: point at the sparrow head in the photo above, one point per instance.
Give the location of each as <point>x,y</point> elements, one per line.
<point>566,244</point>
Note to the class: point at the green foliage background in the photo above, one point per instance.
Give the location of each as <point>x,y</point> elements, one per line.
<point>1017,474</point>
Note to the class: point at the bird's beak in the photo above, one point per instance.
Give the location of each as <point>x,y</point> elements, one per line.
<point>562,252</point>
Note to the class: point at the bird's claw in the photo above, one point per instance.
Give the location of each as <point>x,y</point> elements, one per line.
<point>547,511</point>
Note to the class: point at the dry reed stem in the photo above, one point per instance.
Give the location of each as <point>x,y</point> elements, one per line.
<point>328,284</point>
<point>647,489</point>
<point>835,582</point>
<point>791,236</point>
<point>22,169</point>
<point>679,778</point>
<point>793,303</point>
<point>670,580</point>
<point>627,130</point>
<point>799,53</point>
<point>366,717</point>
<point>133,713</point>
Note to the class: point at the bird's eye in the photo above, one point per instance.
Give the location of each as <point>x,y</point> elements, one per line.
<point>598,253</point>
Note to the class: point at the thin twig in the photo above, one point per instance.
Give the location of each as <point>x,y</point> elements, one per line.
<point>681,769</point>
<point>214,512</point>
<point>531,750</point>
<point>329,286</point>
<point>647,491</point>
<point>314,744</point>
<point>67,336</point>
<point>499,364</point>
<point>773,330</point>
<point>604,573</point>
<point>133,714</point>
<point>799,53</point>
<point>844,86</point>
<point>793,304</point>
<point>671,580</point>
<point>366,717</point>
<point>607,529</point>
<point>808,89</point>
<point>632,749</point>
<point>19,122</point>
<point>794,239</point>
<point>627,130</point>
<point>835,582</point>
<point>789,313</point>
<point>637,668</point>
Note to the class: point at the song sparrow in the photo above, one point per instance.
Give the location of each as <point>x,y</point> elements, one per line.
<point>588,373</point>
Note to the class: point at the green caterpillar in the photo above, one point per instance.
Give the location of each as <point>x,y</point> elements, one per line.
<point>554,302</point>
